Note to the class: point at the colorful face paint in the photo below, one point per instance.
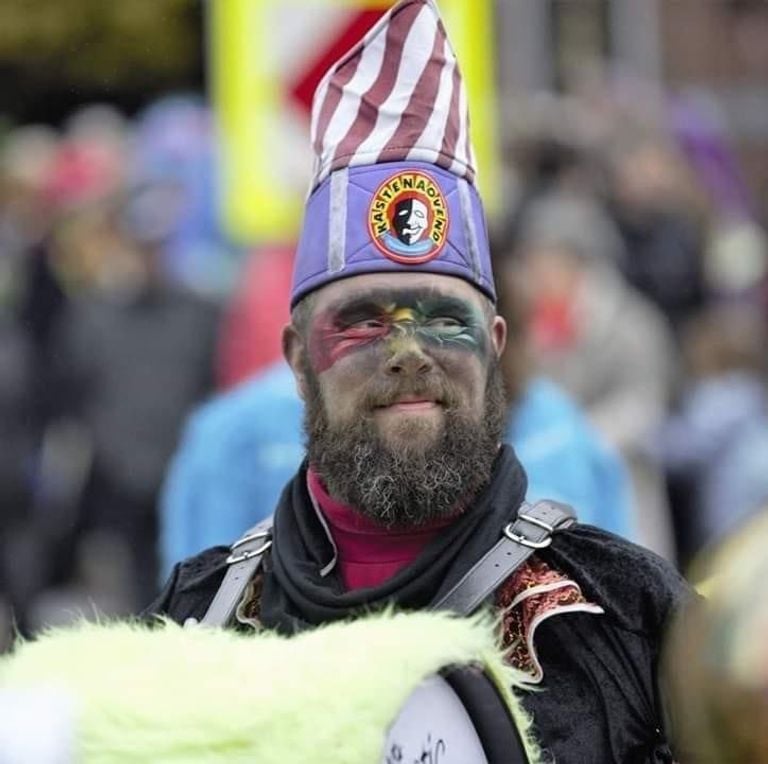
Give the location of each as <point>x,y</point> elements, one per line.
<point>384,319</point>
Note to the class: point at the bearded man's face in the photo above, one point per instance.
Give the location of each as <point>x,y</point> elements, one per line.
<point>404,399</point>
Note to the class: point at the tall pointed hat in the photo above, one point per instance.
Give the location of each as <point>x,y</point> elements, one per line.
<point>393,186</point>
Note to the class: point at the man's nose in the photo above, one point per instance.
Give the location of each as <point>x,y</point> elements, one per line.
<point>407,357</point>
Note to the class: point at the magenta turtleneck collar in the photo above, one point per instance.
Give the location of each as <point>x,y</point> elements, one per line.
<point>369,553</point>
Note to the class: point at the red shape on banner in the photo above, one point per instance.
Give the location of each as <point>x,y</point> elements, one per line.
<point>358,24</point>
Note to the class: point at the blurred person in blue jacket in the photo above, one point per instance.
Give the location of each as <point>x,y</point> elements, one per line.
<point>240,449</point>
<point>716,441</point>
<point>598,338</point>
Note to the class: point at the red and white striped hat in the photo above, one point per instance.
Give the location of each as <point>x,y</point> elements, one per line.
<point>397,95</point>
<point>393,185</point>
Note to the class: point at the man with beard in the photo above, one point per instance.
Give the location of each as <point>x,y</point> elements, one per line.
<point>406,496</point>
<point>405,403</point>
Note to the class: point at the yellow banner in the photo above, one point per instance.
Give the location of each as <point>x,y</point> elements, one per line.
<point>471,29</point>
<point>264,145</point>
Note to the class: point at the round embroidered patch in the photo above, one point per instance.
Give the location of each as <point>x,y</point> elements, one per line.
<point>408,218</point>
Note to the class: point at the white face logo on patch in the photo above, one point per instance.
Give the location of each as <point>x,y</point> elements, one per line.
<point>408,218</point>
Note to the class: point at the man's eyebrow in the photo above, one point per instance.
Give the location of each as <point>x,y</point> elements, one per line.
<point>378,298</point>
<point>359,304</point>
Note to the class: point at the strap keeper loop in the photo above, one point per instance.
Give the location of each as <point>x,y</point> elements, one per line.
<point>247,555</point>
<point>520,539</point>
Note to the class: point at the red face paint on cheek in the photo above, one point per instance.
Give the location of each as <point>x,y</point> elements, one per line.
<point>329,341</point>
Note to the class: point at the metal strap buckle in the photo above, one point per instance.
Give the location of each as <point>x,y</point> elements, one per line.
<point>250,553</point>
<point>535,521</point>
<point>510,534</point>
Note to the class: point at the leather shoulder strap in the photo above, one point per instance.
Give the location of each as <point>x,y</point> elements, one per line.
<point>532,530</point>
<point>244,560</point>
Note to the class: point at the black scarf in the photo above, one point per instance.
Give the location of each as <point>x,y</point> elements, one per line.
<point>296,596</point>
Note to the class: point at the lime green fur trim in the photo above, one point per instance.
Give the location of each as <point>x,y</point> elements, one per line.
<point>326,696</point>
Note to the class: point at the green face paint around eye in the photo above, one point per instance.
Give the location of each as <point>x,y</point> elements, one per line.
<point>452,323</point>
<point>451,335</point>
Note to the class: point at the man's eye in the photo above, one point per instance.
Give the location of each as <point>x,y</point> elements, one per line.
<point>445,322</point>
<point>367,323</point>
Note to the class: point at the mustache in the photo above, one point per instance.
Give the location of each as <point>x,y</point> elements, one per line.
<point>385,392</point>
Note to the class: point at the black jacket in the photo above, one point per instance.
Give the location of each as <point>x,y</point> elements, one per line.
<point>599,700</point>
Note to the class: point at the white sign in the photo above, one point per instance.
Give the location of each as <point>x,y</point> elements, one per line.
<point>433,727</point>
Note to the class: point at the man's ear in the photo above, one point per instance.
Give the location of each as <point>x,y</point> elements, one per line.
<point>498,335</point>
<point>294,350</point>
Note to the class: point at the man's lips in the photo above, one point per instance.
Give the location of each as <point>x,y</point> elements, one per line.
<point>411,404</point>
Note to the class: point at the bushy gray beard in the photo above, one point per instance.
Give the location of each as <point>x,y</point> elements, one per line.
<point>414,485</point>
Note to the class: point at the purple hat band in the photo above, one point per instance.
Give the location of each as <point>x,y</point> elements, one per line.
<point>392,217</point>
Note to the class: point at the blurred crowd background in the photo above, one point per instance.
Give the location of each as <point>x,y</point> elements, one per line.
<point>630,247</point>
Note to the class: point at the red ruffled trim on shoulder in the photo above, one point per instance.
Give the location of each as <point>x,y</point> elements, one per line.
<point>533,593</point>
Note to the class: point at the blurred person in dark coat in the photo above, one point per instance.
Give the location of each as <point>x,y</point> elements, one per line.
<point>130,360</point>
<point>661,226</point>
<point>15,443</point>
<point>25,157</point>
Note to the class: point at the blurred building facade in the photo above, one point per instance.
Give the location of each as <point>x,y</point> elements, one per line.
<point>714,49</point>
